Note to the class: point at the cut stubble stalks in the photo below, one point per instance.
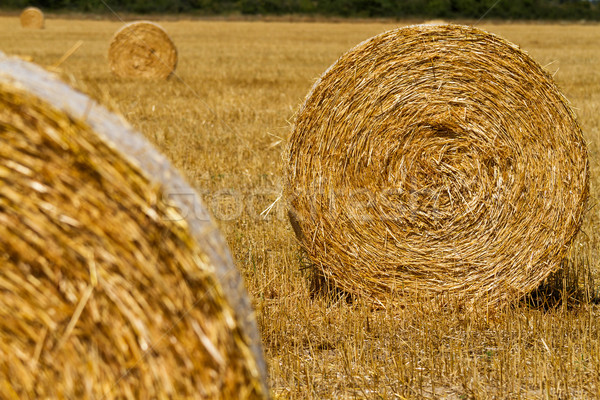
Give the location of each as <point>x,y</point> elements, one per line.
<point>105,290</point>
<point>436,161</point>
<point>142,49</point>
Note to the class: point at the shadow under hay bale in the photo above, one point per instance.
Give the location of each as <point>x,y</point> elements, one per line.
<point>437,161</point>
<point>114,282</point>
<point>142,49</point>
<point>32,18</point>
<point>570,286</point>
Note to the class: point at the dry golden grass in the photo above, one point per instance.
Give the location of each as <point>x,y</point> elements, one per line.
<point>224,121</point>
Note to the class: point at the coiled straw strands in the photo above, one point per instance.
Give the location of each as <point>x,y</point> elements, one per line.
<point>142,49</point>
<point>33,18</point>
<point>436,161</point>
<point>114,282</point>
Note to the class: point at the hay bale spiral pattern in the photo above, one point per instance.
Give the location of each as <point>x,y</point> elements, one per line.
<point>435,160</point>
<point>142,49</point>
<point>107,290</point>
<point>33,18</point>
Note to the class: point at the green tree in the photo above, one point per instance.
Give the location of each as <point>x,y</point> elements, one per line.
<point>438,8</point>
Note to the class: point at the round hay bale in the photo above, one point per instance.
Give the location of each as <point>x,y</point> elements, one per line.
<point>142,49</point>
<point>32,18</point>
<point>114,282</point>
<point>436,160</point>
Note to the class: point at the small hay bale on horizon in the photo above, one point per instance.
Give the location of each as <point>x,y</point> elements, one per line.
<point>436,161</point>
<point>32,18</point>
<point>142,49</point>
<point>114,282</point>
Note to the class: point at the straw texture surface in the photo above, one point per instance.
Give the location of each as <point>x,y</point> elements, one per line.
<point>33,18</point>
<point>436,160</point>
<point>114,283</point>
<point>142,49</point>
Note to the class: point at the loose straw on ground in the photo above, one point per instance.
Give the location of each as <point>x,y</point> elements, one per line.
<point>68,54</point>
<point>32,18</point>
<point>114,282</point>
<point>142,49</point>
<point>436,161</point>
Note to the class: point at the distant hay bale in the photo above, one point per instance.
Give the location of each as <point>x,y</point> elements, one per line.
<point>142,49</point>
<point>114,282</point>
<point>33,18</point>
<point>436,160</point>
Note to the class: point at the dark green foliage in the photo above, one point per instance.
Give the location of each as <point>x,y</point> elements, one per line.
<point>471,9</point>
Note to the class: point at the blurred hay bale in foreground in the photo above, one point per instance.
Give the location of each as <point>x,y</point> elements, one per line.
<point>142,49</point>
<point>32,18</point>
<point>437,160</point>
<point>108,290</point>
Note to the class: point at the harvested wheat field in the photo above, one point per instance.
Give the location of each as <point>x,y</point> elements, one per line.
<point>224,120</point>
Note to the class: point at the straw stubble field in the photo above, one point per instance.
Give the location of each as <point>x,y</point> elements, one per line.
<point>224,121</point>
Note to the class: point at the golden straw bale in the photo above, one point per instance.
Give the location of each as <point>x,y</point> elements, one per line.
<point>33,18</point>
<point>436,160</point>
<point>114,282</point>
<point>142,49</point>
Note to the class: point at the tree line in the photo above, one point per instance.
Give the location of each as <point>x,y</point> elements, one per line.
<point>468,9</point>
